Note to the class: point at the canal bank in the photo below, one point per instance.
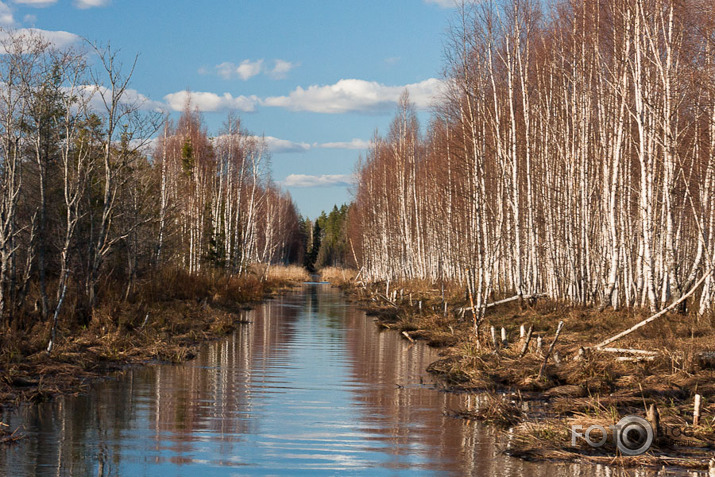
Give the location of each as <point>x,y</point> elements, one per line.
<point>307,386</point>
<point>539,387</point>
<point>171,314</point>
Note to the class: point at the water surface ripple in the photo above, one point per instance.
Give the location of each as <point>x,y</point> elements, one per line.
<point>308,387</point>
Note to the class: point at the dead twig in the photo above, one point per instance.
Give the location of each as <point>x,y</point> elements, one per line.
<point>551,348</point>
<point>525,348</point>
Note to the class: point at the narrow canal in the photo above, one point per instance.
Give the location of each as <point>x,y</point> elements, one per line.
<point>307,386</point>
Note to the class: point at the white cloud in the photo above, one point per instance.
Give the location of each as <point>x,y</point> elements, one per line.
<point>225,70</point>
<point>442,3</point>
<point>59,39</point>
<point>356,95</point>
<point>349,95</point>
<point>281,68</point>
<point>278,146</point>
<point>6,17</point>
<point>85,4</point>
<point>247,69</point>
<point>36,3</point>
<point>449,3</point>
<point>354,144</point>
<point>211,102</point>
<point>130,97</point>
<point>31,19</point>
<point>326,180</point>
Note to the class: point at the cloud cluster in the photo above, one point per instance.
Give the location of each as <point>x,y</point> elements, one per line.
<point>7,13</point>
<point>345,96</point>
<point>211,102</point>
<point>325,180</point>
<point>450,3</point>
<point>353,95</point>
<point>356,144</point>
<point>281,68</point>
<point>85,4</point>
<point>443,3</point>
<point>81,4</point>
<point>278,146</point>
<point>247,69</point>
<point>59,39</point>
<point>36,3</point>
<point>6,17</point>
<point>93,94</point>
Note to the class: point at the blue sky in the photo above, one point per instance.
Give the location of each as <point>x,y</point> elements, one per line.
<point>316,77</point>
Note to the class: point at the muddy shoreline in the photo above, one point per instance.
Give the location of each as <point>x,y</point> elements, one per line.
<point>579,387</point>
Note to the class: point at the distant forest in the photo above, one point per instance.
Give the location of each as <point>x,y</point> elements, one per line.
<point>326,240</point>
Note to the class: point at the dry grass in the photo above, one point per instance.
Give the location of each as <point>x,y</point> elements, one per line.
<point>170,313</point>
<point>595,386</point>
<point>338,276</point>
<point>496,409</point>
<point>551,438</point>
<point>279,277</point>
<point>288,273</point>
<point>171,284</point>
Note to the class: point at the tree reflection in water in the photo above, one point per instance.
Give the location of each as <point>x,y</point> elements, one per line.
<point>309,386</point>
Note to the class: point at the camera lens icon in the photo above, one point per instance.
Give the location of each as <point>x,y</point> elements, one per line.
<point>634,435</point>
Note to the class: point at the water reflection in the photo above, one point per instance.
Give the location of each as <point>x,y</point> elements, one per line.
<point>309,386</point>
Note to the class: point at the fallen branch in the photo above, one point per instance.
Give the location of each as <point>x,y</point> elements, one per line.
<point>635,358</point>
<point>551,348</point>
<point>8,437</point>
<point>629,351</point>
<point>386,299</point>
<point>407,335</point>
<point>474,316</point>
<point>696,410</point>
<point>146,319</point>
<point>657,315</point>
<point>506,300</point>
<point>525,348</point>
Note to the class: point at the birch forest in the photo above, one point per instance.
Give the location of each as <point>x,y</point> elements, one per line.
<point>573,154</point>
<point>97,191</point>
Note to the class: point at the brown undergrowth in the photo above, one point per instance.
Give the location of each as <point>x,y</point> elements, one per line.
<point>169,314</point>
<point>337,276</point>
<point>579,386</point>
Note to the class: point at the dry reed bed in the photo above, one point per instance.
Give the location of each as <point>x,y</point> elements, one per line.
<point>337,276</point>
<point>587,388</point>
<point>171,313</point>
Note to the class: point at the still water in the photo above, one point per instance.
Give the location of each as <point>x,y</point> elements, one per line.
<point>308,386</point>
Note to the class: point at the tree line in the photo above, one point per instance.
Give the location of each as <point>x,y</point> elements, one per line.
<point>97,191</point>
<point>326,240</point>
<point>572,154</point>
